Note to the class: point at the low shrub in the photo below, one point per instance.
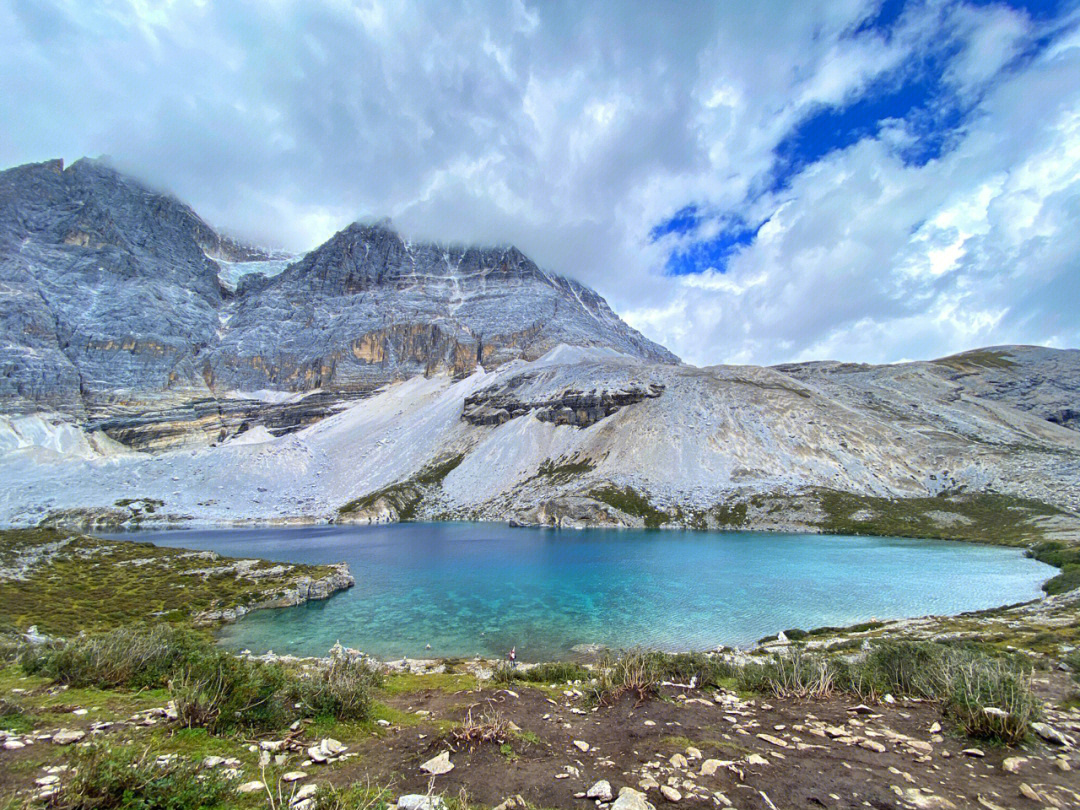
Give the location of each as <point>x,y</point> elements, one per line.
<point>132,657</point>
<point>990,698</point>
<point>634,672</point>
<point>903,668</point>
<point>220,691</point>
<point>103,778</point>
<point>341,690</point>
<point>793,673</point>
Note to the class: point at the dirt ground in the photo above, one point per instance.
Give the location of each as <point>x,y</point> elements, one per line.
<point>803,766</point>
<point>750,753</point>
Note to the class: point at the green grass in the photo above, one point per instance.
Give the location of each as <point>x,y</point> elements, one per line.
<point>968,361</point>
<point>82,582</point>
<point>404,683</point>
<point>406,496</point>
<point>559,471</point>
<point>631,502</point>
<point>982,517</point>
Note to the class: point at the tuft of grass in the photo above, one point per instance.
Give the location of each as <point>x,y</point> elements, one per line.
<point>561,470</point>
<point>634,672</point>
<point>104,777</point>
<point>13,717</point>
<point>355,797</point>
<point>631,502</point>
<point>490,727</point>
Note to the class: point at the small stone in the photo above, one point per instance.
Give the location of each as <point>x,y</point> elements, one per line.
<point>213,762</point>
<point>692,753</point>
<point>769,738</point>
<point>973,752</point>
<point>756,759</point>
<point>293,776</point>
<point>862,708</point>
<point>835,731</point>
<point>13,745</point>
<point>581,745</point>
<point>670,793</point>
<point>416,801</point>
<point>710,766</point>
<point>935,727</point>
<point>1050,734</point>
<point>601,791</point>
<point>872,745</point>
<point>649,723</point>
<point>45,781</point>
<point>516,802</point>
<point>438,765</point>
<point>316,754</point>
<point>1012,764</point>
<point>305,792</point>
<point>250,787</point>
<point>679,761</point>
<point>1029,793</point>
<point>67,736</point>
<point>332,747</point>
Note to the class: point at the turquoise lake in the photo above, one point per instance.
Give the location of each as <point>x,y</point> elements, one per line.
<point>471,589</point>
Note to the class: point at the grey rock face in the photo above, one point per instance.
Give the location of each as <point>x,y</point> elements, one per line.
<point>498,404</point>
<point>117,307</point>
<point>367,307</point>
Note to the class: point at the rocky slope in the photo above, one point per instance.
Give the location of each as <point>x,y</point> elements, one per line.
<point>121,310</point>
<point>593,437</point>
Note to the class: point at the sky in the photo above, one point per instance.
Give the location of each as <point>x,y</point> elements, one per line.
<point>745,182</point>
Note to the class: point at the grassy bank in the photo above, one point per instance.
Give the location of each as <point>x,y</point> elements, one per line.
<point>65,582</point>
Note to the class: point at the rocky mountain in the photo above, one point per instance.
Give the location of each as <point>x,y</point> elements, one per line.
<point>152,369</point>
<point>122,310</point>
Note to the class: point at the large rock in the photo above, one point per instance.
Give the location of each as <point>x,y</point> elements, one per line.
<point>438,765</point>
<point>630,799</point>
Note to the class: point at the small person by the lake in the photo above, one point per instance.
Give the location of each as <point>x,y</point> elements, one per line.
<point>512,656</point>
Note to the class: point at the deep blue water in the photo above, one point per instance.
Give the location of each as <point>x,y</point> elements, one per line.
<point>477,589</point>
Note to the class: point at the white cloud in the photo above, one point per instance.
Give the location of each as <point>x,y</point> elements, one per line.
<point>572,130</point>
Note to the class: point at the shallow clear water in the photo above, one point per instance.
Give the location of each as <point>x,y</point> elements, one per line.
<point>472,588</point>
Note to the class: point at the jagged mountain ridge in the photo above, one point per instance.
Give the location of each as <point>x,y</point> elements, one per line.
<point>113,312</point>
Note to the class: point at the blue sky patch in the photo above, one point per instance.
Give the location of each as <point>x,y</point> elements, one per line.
<point>712,253</point>
<point>684,221</point>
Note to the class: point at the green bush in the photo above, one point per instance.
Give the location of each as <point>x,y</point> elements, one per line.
<point>220,691</point>
<point>990,698</point>
<point>124,777</point>
<point>903,668</point>
<point>555,672</point>
<point>341,690</point>
<point>132,657</point>
<point>633,672</point>
<point>793,673</point>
